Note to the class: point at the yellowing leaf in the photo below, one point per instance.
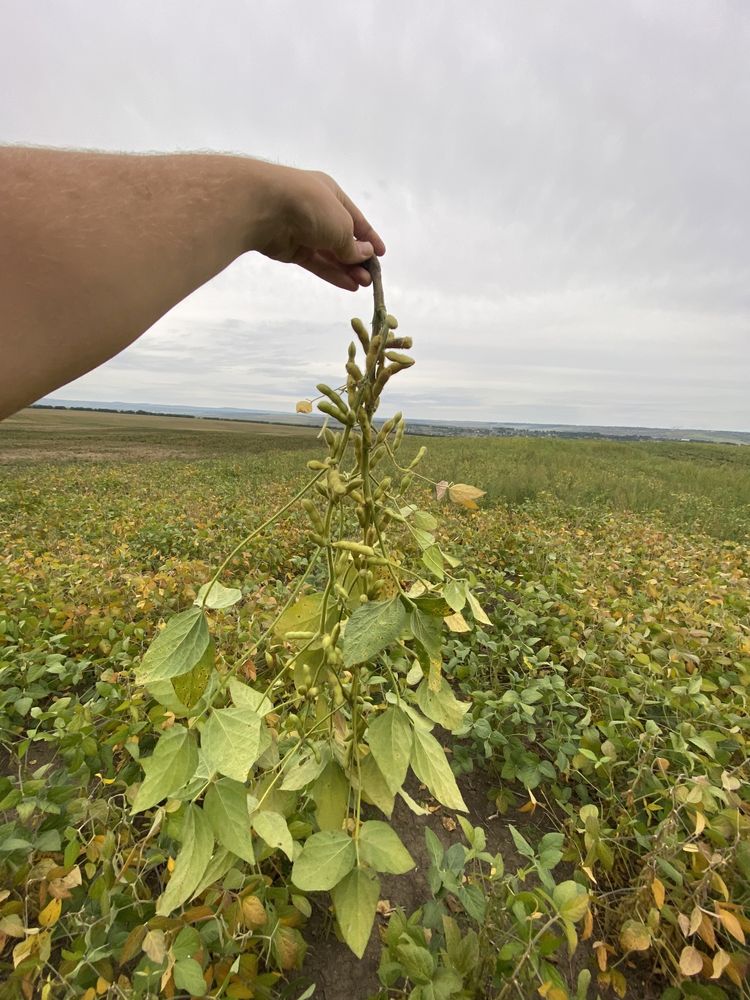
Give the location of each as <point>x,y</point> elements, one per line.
<point>457,623</point>
<point>12,926</point>
<point>51,913</point>
<point>303,406</point>
<point>657,889</point>
<point>253,912</point>
<point>477,610</point>
<point>731,924</point>
<point>691,961</point>
<point>155,946</point>
<point>635,936</point>
<point>600,950</point>
<point>720,962</point>
<point>465,495</point>
<point>60,887</point>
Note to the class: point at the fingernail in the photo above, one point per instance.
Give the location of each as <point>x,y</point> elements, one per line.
<point>365,249</point>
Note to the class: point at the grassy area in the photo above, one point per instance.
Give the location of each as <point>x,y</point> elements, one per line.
<point>607,708</point>
<point>695,487</point>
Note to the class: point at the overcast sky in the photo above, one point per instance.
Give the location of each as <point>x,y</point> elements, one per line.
<point>564,189</point>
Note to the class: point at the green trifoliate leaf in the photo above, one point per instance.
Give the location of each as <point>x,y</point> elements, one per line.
<point>356,900</point>
<point>177,648</point>
<point>417,962</point>
<point>424,520</point>
<point>550,850</point>
<point>168,769</point>
<point>375,787</point>
<point>437,606</point>
<point>230,741</point>
<point>371,628</point>
<point>324,861</point>
<point>303,768</point>
<point>390,738</point>
<point>424,539</point>
<point>191,862</point>
<point>571,900</point>
<point>428,632</point>
<point>454,593</point>
<point>442,706</point>
<point>217,596</point>
<point>432,768</point>
<point>303,616</point>
<point>523,847</point>
<point>272,827</point>
<point>217,868</point>
<point>188,976</point>
<point>433,560</point>
<point>189,687</point>
<point>246,697</point>
<point>381,848</point>
<point>225,806</point>
<point>330,794</point>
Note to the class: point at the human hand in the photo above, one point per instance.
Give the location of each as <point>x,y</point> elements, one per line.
<point>303,217</point>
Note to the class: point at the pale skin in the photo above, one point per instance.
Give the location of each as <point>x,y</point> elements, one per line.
<point>95,247</point>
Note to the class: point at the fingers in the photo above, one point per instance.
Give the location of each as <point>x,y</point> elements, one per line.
<point>362,228</point>
<point>325,265</point>
<point>353,239</point>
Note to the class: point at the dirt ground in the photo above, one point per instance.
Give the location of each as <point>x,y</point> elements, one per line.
<point>330,965</point>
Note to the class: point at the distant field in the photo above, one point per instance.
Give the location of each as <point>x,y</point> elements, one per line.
<point>703,487</point>
<point>65,435</point>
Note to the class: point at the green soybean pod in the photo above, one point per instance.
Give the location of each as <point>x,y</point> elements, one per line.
<point>402,360</point>
<point>398,342</point>
<point>357,547</point>
<point>335,412</point>
<point>417,458</point>
<point>399,436</point>
<point>359,328</point>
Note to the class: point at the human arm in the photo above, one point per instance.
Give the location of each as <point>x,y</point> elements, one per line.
<point>95,247</point>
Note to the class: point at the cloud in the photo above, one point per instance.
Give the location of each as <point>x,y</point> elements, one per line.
<point>562,189</point>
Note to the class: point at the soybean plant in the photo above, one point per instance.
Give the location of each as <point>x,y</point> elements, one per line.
<point>353,685</point>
